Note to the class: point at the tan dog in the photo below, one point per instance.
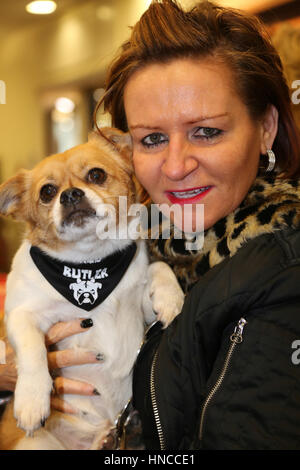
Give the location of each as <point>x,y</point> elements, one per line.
<point>63,200</point>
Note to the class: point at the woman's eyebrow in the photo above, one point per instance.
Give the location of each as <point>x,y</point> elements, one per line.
<point>207,118</point>
<point>143,126</point>
<point>197,119</point>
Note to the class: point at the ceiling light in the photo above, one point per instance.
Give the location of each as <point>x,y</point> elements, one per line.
<point>42,7</point>
<point>64,105</point>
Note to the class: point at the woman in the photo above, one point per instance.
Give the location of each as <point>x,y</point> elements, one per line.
<point>203,96</point>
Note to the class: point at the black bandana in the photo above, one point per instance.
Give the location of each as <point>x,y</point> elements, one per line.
<point>85,285</point>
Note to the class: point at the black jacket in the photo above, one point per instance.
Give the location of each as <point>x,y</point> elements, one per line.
<point>243,392</point>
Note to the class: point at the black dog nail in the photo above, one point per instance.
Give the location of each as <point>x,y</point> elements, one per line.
<point>43,421</point>
<point>95,392</point>
<point>87,323</point>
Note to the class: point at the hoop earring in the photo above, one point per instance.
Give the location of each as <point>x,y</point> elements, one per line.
<point>272,160</point>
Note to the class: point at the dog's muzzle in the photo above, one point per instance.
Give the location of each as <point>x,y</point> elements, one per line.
<point>75,207</point>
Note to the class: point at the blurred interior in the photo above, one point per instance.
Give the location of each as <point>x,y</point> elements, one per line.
<point>52,70</point>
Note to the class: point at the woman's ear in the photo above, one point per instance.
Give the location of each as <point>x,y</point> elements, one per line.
<point>13,195</point>
<point>269,128</point>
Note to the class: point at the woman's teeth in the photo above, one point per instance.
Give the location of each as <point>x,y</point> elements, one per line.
<point>188,194</point>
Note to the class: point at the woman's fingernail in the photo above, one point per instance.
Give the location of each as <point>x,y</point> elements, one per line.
<point>87,323</point>
<point>95,392</point>
<point>100,357</point>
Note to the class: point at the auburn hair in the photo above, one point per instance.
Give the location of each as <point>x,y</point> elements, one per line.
<point>166,32</point>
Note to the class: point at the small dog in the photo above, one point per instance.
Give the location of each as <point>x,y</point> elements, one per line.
<point>64,270</point>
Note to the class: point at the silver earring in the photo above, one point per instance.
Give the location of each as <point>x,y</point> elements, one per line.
<point>272,160</point>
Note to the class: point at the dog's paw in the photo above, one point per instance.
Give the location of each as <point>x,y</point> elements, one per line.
<point>166,295</point>
<point>167,304</point>
<point>32,402</point>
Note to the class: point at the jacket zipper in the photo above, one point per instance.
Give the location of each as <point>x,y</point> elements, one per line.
<point>154,406</point>
<point>235,338</point>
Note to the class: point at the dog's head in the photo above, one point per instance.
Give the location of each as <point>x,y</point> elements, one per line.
<point>63,197</point>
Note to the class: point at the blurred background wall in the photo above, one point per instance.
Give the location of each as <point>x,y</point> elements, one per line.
<point>52,70</point>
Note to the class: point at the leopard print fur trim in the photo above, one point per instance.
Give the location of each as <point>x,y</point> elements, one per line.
<point>271,204</point>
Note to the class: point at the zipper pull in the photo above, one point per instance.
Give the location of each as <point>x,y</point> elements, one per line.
<point>235,338</point>
<point>237,335</point>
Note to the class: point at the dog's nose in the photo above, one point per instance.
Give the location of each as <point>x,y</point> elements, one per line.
<point>71,196</point>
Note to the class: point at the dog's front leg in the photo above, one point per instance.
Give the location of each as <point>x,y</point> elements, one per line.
<point>34,383</point>
<point>163,295</point>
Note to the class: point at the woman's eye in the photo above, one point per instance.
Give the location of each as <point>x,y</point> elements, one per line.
<point>207,132</point>
<point>48,192</point>
<point>96,176</point>
<point>154,139</point>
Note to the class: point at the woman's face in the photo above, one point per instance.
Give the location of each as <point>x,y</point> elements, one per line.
<point>193,139</point>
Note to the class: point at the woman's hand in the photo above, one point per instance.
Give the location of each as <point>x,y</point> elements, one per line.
<point>69,357</point>
<point>56,359</point>
<point>8,371</point>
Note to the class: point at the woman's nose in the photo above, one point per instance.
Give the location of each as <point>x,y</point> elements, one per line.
<point>179,160</point>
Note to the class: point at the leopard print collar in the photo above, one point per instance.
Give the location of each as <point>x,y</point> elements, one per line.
<point>271,204</point>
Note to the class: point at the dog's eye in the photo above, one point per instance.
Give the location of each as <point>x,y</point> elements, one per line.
<point>48,192</point>
<point>96,176</point>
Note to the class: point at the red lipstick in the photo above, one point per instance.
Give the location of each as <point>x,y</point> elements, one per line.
<point>187,196</point>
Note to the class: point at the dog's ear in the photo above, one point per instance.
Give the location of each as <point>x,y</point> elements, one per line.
<point>14,195</point>
<point>120,140</point>
<point>117,141</point>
